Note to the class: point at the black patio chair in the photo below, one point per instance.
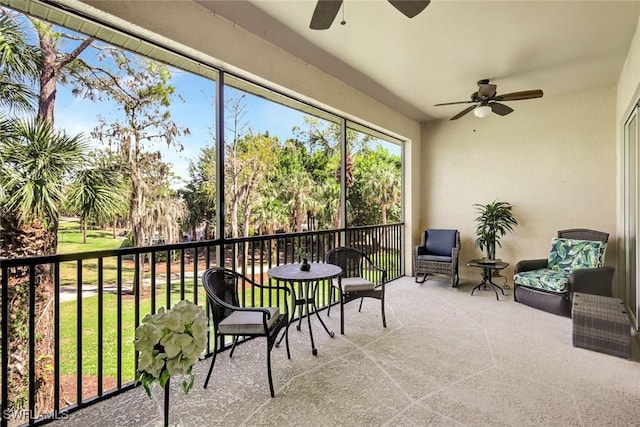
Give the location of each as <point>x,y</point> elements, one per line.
<point>229,319</point>
<point>360,278</point>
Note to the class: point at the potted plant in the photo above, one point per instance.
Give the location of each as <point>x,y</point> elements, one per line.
<point>304,255</point>
<point>494,221</point>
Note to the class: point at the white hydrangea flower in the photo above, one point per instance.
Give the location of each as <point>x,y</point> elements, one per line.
<point>171,342</point>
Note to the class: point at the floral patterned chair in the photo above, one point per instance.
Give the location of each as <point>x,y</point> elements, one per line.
<point>575,264</point>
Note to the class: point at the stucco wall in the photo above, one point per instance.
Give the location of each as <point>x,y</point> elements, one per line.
<point>553,159</point>
<point>240,51</point>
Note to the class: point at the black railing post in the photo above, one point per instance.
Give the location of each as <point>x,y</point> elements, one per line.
<point>383,242</point>
<point>100,321</point>
<point>119,321</point>
<point>153,282</point>
<point>56,338</point>
<point>32,344</point>
<point>5,344</point>
<point>79,349</point>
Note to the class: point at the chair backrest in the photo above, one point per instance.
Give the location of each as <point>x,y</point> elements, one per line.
<point>220,284</point>
<point>570,255</point>
<point>583,234</point>
<point>350,260</point>
<point>440,241</point>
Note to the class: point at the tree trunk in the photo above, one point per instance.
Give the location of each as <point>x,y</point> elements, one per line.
<point>22,241</point>
<point>48,78</point>
<point>137,213</point>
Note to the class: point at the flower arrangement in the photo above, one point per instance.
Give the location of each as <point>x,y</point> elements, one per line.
<point>170,342</point>
<point>302,252</point>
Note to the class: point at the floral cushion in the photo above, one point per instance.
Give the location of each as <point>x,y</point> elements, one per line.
<point>547,279</point>
<point>569,255</point>
<point>565,256</point>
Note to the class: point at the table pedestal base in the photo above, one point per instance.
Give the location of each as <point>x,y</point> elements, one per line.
<point>310,303</point>
<point>486,280</point>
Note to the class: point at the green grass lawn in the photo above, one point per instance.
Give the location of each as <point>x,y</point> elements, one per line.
<point>70,238</point>
<point>109,345</point>
<point>70,241</point>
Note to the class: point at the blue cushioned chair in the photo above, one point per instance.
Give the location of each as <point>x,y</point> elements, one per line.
<point>575,264</point>
<point>437,254</point>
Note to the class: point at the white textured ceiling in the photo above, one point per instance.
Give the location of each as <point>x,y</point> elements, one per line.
<point>558,46</point>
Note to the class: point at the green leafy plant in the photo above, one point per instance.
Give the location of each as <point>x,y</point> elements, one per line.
<point>302,253</point>
<point>170,342</point>
<point>494,221</point>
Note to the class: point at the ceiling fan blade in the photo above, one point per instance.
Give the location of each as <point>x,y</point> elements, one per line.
<point>486,90</point>
<point>515,96</point>
<point>454,103</point>
<point>463,112</point>
<point>324,14</point>
<point>500,109</point>
<point>410,8</point>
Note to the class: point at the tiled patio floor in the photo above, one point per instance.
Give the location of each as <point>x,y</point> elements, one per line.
<point>446,358</point>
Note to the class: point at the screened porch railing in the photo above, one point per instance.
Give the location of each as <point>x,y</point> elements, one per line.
<point>100,297</point>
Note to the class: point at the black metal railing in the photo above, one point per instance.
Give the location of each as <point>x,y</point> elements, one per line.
<point>100,297</point>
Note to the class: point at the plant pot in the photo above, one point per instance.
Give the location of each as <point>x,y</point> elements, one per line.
<point>305,266</point>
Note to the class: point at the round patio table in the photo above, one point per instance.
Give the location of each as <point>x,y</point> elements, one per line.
<point>306,291</point>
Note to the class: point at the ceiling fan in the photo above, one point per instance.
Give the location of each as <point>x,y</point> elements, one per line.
<point>326,11</point>
<point>486,99</point>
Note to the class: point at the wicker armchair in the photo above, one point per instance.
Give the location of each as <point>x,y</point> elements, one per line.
<point>437,254</point>
<point>595,279</point>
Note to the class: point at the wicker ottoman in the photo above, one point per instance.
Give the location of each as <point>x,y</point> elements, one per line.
<point>601,324</point>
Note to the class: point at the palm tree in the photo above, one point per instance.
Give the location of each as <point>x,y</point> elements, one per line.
<point>97,193</point>
<point>36,162</point>
<point>381,187</point>
<point>19,66</point>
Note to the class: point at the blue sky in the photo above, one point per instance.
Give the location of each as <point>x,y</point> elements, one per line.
<point>195,111</point>
<point>192,108</point>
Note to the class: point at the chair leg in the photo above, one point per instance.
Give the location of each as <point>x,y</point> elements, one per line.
<point>341,315</point>
<point>384,319</point>
<point>360,308</point>
<point>424,277</point>
<point>213,360</point>
<point>286,340</point>
<point>269,367</point>
<point>233,347</point>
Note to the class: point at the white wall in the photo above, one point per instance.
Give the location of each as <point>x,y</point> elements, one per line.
<point>240,51</point>
<point>553,159</point>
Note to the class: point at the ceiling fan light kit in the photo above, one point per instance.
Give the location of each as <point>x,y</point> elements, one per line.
<point>482,111</point>
<point>486,100</point>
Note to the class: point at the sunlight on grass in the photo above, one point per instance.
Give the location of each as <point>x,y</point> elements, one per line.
<point>70,238</point>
